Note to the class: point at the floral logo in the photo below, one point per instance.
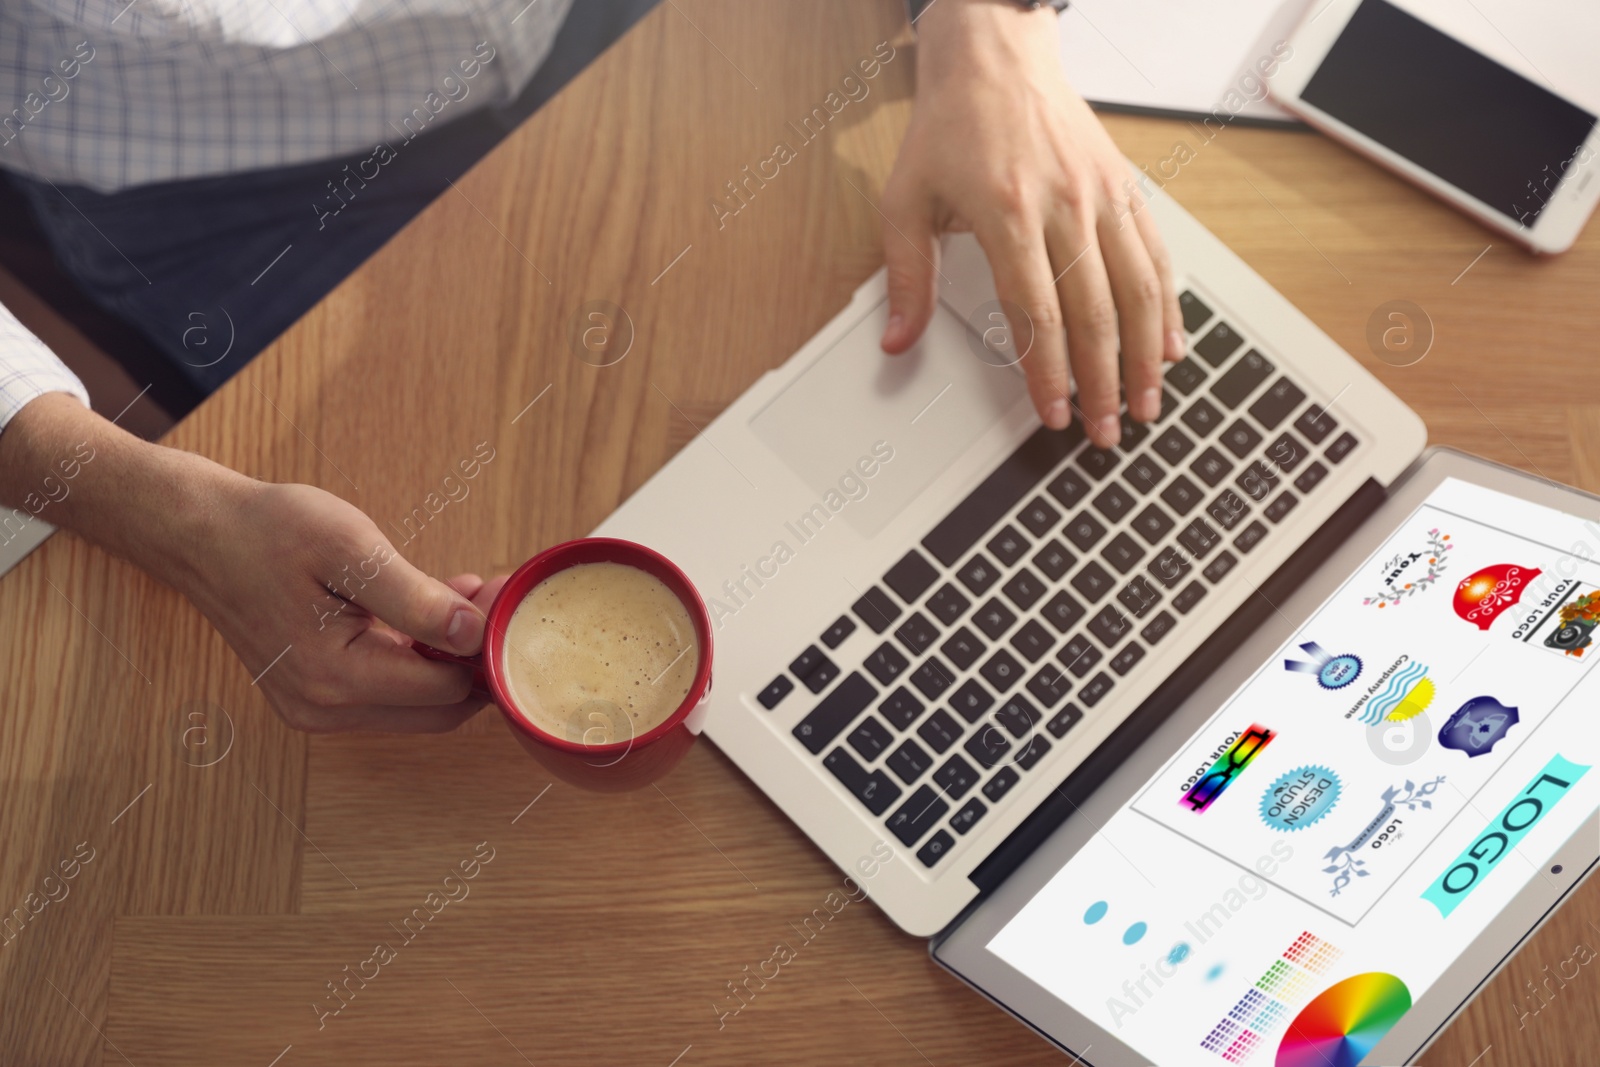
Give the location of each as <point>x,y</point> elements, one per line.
<point>1407,573</point>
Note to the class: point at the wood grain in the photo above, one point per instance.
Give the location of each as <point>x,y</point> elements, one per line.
<point>221,903</point>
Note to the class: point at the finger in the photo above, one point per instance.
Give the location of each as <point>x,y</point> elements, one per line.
<point>1174,340</point>
<point>1091,318</point>
<point>1021,265</point>
<point>375,669</point>
<point>1137,291</point>
<point>423,607</point>
<point>465,584</point>
<point>911,253</point>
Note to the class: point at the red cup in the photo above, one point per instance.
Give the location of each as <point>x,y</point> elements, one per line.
<point>620,765</point>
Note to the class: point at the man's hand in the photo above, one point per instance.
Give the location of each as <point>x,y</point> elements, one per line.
<point>1000,144</point>
<point>312,597</point>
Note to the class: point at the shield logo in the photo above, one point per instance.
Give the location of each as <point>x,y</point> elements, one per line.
<point>1478,725</point>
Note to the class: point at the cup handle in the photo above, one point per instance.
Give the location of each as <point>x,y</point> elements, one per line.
<point>480,681</point>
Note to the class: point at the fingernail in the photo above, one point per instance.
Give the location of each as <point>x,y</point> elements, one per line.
<point>1055,415</point>
<point>1150,404</point>
<point>897,322</point>
<point>1110,428</point>
<point>466,630</point>
<point>1175,346</point>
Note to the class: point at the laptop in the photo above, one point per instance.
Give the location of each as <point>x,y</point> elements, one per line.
<point>1048,704</point>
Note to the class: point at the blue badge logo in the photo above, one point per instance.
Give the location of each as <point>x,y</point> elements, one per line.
<point>1478,725</point>
<point>1300,798</point>
<point>1331,672</point>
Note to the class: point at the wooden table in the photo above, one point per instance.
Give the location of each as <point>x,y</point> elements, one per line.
<point>233,881</point>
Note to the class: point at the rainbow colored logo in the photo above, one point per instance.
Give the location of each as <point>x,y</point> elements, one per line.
<point>1227,769</point>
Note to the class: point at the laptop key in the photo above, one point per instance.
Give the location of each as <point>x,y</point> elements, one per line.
<point>1211,467</point>
<point>1024,589</point>
<point>1008,545</point>
<point>1097,688</point>
<point>1173,445</point>
<point>978,574</point>
<point>1033,750</point>
<point>1017,716</point>
<point>1084,530</point>
<point>1001,783</point>
<point>1054,560</point>
<point>948,604</point>
<point>1064,720</point>
<point>1228,509</point>
<point>1185,376</point>
<point>1139,596</point>
<point>914,818</point>
<point>1199,538</point>
<point>939,731</point>
<point>1062,612</point>
<point>887,663</point>
<point>876,610</point>
<point>770,696</point>
<point>1096,462</point>
<point>1216,346</point>
<point>1123,553</point>
<point>1133,433</point>
<point>971,700</point>
<point>1158,627</point>
<point>1124,661</point>
<point>933,678</point>
<point>963,648</point>
<point>908,762</point>
<point>1078,655</point>
<point>1169,404</point>
<point>1049,685</point>
<point>1068,487</point>
<point>822,675</point>
<point>1311,477</point>
<point>968,816</point>
<point>900,708</point>
<point>917,633</point>
<point>1286,452</point>
<point>1240,438</point>
<point>870,738</point>
<point>1170,566</point>
<point>1315,424</point>
<point>842,628</point>
<point>1110,625</point>
<point>1192,594</point>
<point>1202,417</point>
<point>806,662</point>
<point>1195,313</point>
<point>873,788</point>
<point>1144,474</point>
<point>1002,671</point>
<point>1032,641</point>
<point>1038,516</point>
<point>994,618</point>
<point>836,711</point>
<point>956,777</point>
<point>1152,524</point>
<point>1017,476</point>
<point>988,746</point>
<point>1250,536</point>
<point>1280,506</point>
<point>1182,495</point>
<point>1218,568</point>
<point>911,577</point>
<point>1277,403</point>
<point>1341,448</point>
<point>934,850</point>
<point>1242,378</point>
<point>1115,502</point>
<point>1257,480</point>
<point>1092,581</point>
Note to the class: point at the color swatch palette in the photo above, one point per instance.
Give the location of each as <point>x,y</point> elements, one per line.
<point>1344,1022</point>
<point>1263,1007</point>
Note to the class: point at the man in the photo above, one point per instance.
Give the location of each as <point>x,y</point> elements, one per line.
<point>224,111</point>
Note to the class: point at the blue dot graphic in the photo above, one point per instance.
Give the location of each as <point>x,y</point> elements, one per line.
<point>1134,933</point>
<point>1179,953</point>
<point>1214,973</point>
<point>1096,912</point>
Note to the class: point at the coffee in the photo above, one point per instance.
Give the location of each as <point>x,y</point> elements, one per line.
<point>599,653</point>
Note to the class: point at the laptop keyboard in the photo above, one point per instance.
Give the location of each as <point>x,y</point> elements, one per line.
<point>1021,610</point>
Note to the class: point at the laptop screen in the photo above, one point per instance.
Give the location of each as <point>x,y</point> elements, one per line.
<point>1322,850</point>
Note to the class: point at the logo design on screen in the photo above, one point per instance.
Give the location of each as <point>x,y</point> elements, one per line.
<point>1226,770</point>
<point>1407,573</point>
<point>1481,597</point>
<point>1478,725</point>
<point>1330,671</point>
<point>1578,620</point>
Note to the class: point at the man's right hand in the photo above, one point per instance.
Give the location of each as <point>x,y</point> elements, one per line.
<point>312,597</point>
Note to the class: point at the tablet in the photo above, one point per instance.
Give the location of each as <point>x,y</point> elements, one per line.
<point>1338,839</point>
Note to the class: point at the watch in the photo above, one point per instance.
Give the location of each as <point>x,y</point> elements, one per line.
<point>919,6</point>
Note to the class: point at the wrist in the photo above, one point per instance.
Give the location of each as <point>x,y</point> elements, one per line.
<point>956,34</point>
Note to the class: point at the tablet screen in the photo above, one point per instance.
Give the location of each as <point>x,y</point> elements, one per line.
<point>1323,849</point>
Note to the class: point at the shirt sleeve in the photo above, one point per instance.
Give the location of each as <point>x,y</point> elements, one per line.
<point>28,369</point>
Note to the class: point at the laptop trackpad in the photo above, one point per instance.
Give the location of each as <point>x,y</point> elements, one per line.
<point>928,405</point>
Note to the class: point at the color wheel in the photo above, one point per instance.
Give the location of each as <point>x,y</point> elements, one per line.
<point>1345,1022</point>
